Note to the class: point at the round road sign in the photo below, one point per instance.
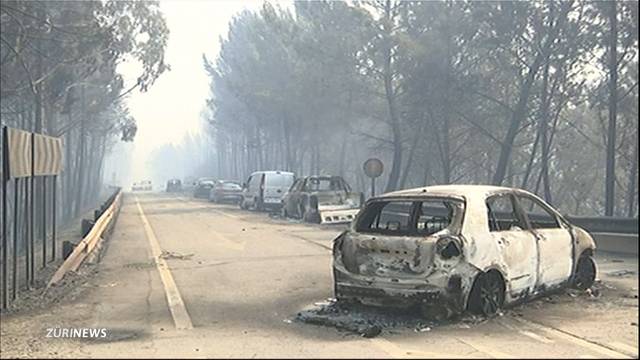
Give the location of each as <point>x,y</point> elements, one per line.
<point>373,168</point>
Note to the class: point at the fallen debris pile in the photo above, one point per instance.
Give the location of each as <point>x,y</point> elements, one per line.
<point>173,255</point>
<point>369,321</point>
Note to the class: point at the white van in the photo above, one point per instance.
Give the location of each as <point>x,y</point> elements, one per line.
<point>265,189</point>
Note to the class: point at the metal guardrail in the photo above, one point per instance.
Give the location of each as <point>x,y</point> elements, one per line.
<point>104,217</point>
<point>616,243</point>
<point>606,224</point>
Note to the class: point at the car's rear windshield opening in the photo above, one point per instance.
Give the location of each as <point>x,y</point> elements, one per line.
<point>410,217</point>
<point>230,186</point>
<point>325,184</point>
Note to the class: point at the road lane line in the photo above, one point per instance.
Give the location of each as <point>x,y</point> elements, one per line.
<point>487,350</point>
<point>213,208</point>
<point>509,325</point>
<point>587,344</point>
<point>178,311</point>
<point>225,214</point>
<point>397,352</point>
<point>628,348</point>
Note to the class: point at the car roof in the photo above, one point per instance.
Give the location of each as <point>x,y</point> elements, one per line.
<point>328,177</point>
<point>449,190</point>
<point>273,172</point>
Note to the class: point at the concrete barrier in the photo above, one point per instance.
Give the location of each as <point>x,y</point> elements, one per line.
<point>614,242</point>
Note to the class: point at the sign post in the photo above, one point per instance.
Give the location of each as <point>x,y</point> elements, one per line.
<point>373,168</point>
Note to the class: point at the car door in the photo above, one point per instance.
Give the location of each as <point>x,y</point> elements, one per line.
<point>555,245</point>
<point>289,198</point>
<point>247,195</point>
<point>299,192</point>
<point>517,245</point>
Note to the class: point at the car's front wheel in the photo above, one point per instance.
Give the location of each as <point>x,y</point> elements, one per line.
<point>585,274</point>
<point>487,294</point>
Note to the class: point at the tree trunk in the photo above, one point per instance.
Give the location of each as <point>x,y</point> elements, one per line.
<point>544,118</point>
<point>633,181</point>
<point>520,111</point>
<point>80,162</point>
<point>610,177</point>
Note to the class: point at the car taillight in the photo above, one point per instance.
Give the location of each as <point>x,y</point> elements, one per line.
<point>337,242</point>
<point>448,247</point>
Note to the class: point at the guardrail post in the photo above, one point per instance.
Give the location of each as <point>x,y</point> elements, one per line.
<point>44,222</point>
<point>5,243</point>
<point>53,218</point>
<point>14,280</point>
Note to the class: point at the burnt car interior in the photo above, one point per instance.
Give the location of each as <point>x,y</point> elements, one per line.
<point>503,215</point>
<point>326,184</point>
<point>539,217</point>
<point>407,218</point>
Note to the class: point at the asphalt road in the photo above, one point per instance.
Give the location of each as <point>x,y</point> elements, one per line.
<point>236,279</point>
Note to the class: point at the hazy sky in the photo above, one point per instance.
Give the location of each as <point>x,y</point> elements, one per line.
<point>172,106</point>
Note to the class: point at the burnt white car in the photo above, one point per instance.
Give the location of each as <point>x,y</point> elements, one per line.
<point>454,248</point>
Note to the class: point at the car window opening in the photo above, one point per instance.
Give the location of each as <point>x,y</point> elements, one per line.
<point>409,217</point>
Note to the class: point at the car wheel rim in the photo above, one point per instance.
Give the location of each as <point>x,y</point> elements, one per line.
<point>490,295</point>
<point>585,274</point>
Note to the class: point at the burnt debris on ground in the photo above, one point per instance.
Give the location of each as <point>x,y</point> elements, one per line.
<point>371,321</point>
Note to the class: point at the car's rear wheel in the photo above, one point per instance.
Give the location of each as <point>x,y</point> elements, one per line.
<point>585,274</point>
<point>487,294</point>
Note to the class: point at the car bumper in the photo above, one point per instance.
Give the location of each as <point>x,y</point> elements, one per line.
<point>228,197</point>
<point>329,215</point>
<point>446,291</point>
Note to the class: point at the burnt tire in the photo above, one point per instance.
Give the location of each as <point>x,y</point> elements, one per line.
<point>585,274</point>
<point>487,294</point>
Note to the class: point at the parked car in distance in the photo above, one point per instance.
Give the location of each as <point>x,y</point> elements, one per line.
<point>458,248</point>
<point>322,199</point>
<point>225,191</point>
<point>174,185</point>
<point>202,187</point>
<point>264,189</point>
<point>144,185</point>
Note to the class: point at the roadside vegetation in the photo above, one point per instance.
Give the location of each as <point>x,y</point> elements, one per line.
<point>537,95</point>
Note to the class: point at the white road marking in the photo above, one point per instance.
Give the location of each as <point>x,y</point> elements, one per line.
<point>217,211</point>
<point>225,214</point>
<point>397,352</point>
<point>508,323</point>
<point>628,348</point>
<point>487,350</point>
<point>598,348</point>
<point>178,311</point>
